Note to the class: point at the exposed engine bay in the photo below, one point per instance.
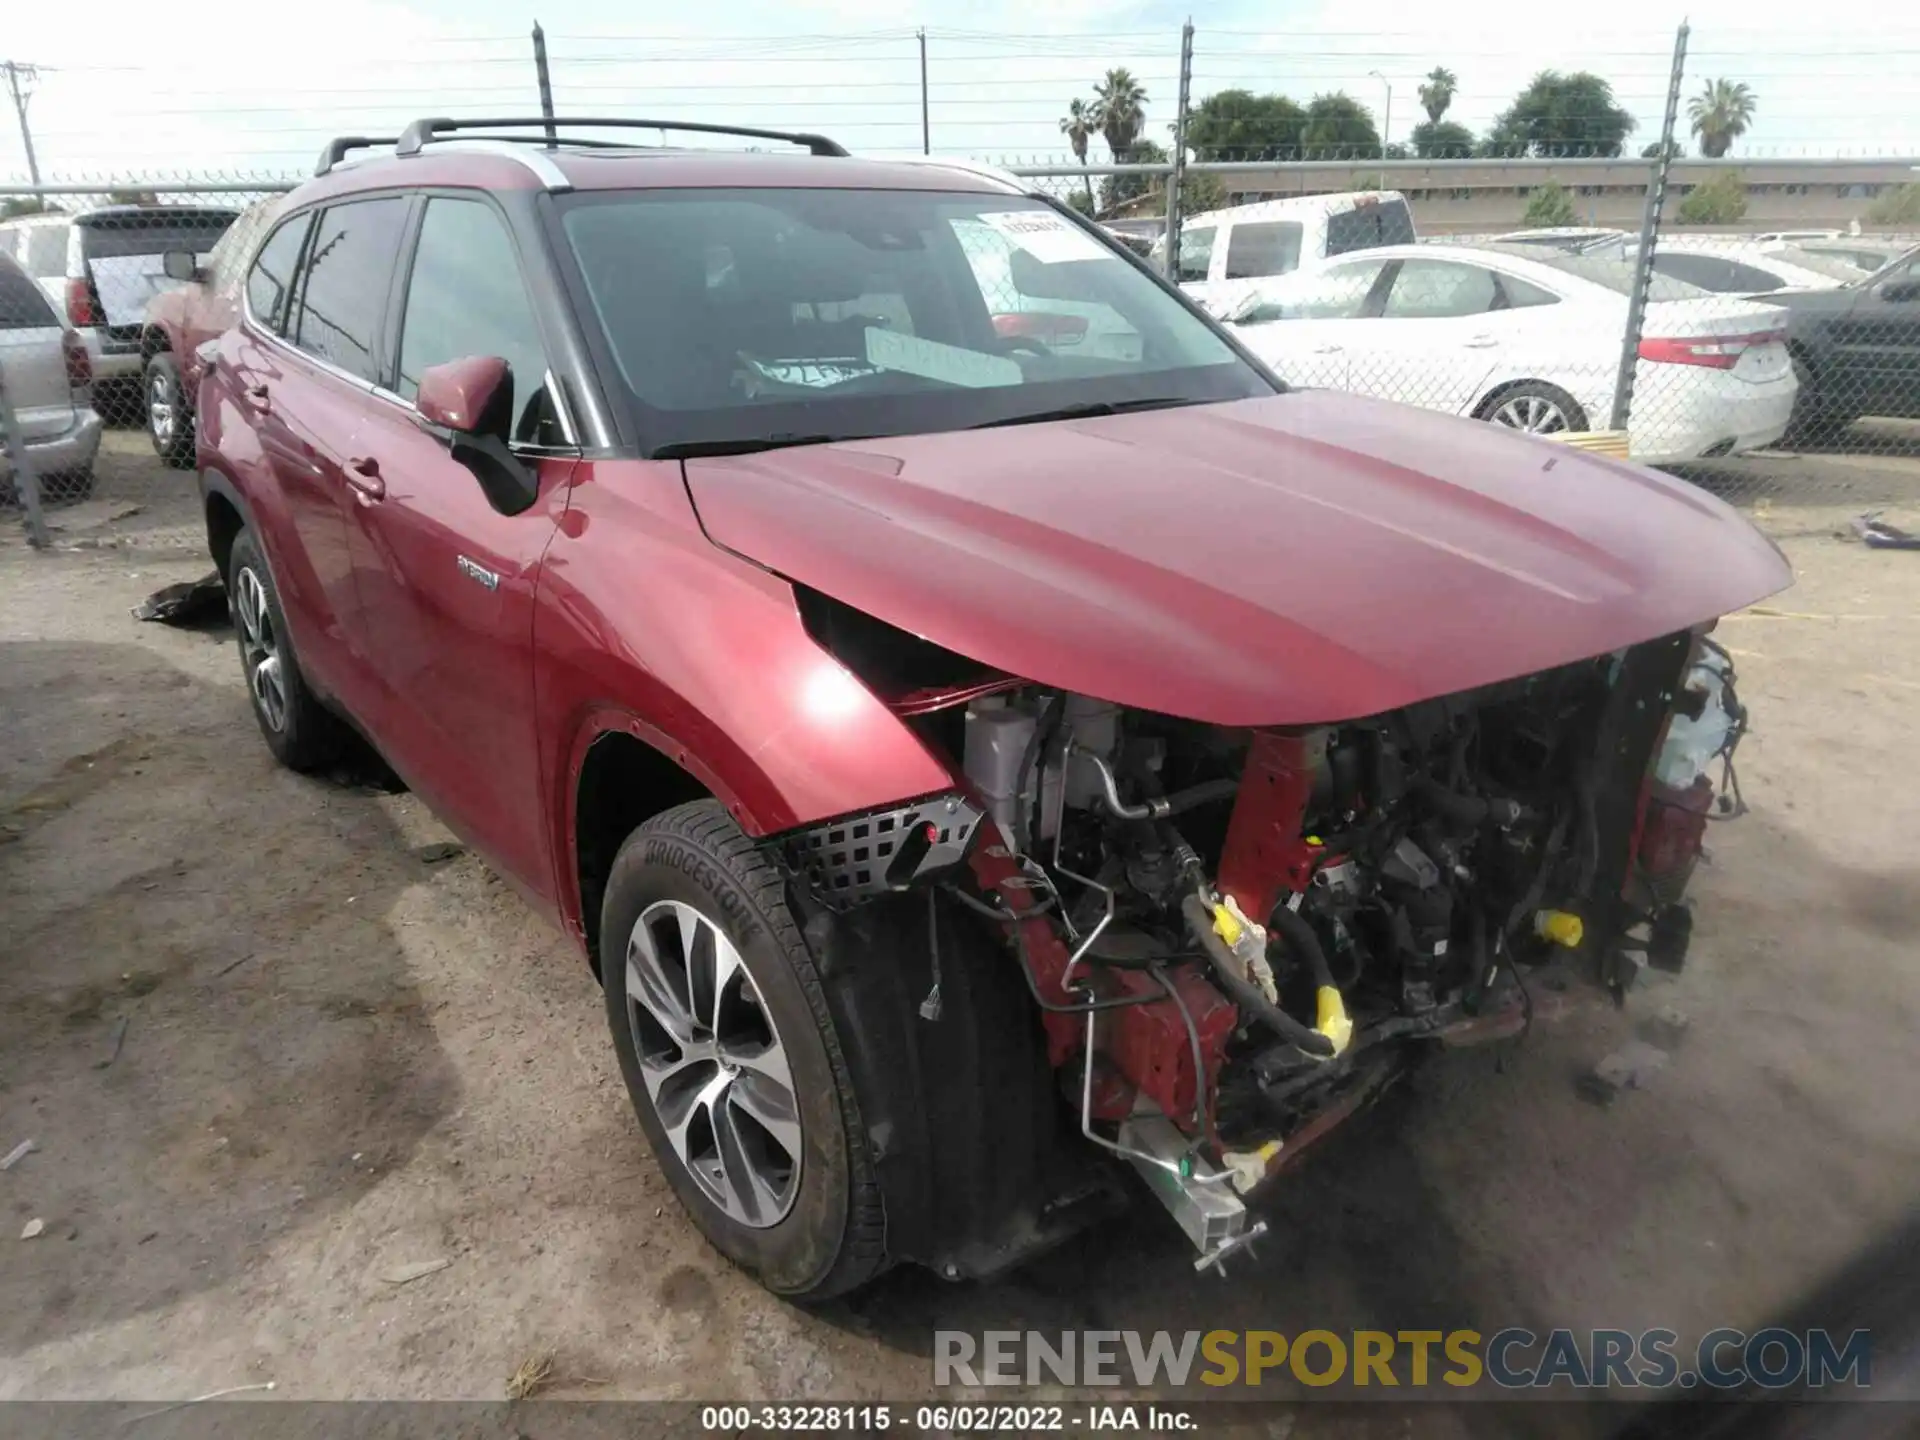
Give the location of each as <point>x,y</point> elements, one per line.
<point>1246,930</point>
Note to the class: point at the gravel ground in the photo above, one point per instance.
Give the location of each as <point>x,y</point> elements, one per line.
<point>279,1049</point>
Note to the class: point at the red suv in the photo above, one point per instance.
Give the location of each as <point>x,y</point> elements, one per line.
<point>976,721</point>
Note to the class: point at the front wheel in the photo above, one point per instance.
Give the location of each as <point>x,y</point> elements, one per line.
<point>169,419</point>
<point>732,1059</point>
<point>302,733</point>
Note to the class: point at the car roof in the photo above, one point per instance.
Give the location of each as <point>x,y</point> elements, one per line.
<point>502,165</point>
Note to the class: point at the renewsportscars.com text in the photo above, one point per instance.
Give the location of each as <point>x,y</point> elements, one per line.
<point>1510,1359</point>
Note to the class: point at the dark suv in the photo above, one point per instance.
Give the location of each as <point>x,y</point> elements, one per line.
<point>976,721</point>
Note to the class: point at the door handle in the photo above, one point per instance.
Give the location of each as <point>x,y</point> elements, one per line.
<point>1481,342</point>
<point>363,475</point>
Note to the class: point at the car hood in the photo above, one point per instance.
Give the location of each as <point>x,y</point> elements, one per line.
<point>1302,558</point>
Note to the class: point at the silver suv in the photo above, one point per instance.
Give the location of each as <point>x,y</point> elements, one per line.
<point>45,374</point>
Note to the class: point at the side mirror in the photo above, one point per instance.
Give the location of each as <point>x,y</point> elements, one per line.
<point>180,265</point>
<point>471,400</point>
<point>1899,292</point>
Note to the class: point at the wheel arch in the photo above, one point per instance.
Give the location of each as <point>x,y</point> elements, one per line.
<point>154,340</point>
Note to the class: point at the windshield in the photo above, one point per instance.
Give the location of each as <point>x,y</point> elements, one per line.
<point>1615,274</point>
<point>774,315</point>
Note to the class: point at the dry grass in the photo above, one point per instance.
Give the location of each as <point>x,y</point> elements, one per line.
<point>534,1374</point>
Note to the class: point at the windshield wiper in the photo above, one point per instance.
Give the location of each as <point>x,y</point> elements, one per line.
<point>1092,409</point>
<point>747,445</point>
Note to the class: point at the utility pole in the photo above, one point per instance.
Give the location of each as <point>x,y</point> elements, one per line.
<point>546,82</point>
<point>1386,119</point>
<point>20,80</point>
<point>1179,152</point>
<point>926,131</point>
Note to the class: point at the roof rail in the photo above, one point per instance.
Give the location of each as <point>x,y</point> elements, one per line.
<point>422,132</point>
<point>336,149</point>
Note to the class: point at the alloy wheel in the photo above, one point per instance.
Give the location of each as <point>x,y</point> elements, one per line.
<point>713,1063</point>
<point>1535,414</point>
<point>260,648</point>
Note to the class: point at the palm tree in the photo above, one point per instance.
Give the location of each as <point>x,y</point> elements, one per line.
<point>1437,94</point>
<point>1078,127</point>
<point>1119,110</point>
<point>1720,114</point>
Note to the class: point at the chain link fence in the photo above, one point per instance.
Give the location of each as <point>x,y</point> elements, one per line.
<point>1755,328</point>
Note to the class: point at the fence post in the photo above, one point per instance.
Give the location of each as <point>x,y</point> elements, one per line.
<point>24,480</point>
<point>546,83</point>
<point>926,131</point>
<point>1179,156</point>
<point>1649,231</point>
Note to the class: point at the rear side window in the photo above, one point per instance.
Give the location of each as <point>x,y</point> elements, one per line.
<point>1714,272</point>
<point>343,294</point>
<point>1439,290</point>
<point>1365,226</point>
<point>1196,253</point>
<point>466,298</point>
<point>1522,294</point>
<point>1339,292</point>
<point>1265,247</point>
<point>271,277</point>
<point>46,251</point>
<point>23,305</point>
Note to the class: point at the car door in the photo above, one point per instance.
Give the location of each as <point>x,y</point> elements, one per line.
<point>446,582</point>
<point>1304,323</point>
<point>1877,345</point>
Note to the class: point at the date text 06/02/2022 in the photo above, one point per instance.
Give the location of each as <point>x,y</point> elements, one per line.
<point>948,1419</point>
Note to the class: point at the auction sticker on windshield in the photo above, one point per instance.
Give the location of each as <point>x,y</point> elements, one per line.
<point>1048,237</point>
<point>931,360</point>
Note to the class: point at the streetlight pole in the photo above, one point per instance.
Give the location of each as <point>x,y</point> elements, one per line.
<point>1386,119</point>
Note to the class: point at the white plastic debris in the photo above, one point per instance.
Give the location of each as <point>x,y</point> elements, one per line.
<point>407,1274</point>
<point>19,1153</point>
<point>33,1228</point>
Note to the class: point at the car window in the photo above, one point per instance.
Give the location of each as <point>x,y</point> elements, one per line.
<point>23,304</point>
<point>1196,253</point>
<point>1262,247</point>
<point>343,289</point>
<point>465,297</point>
<point>46,251</point>
<point>1338,292</point>
<point>119,234</point>
<point>1614,271</point>
<point>1438,290</point>
<point>1368,225</point>
<point>1521,294</point>
<point>272,274</point>
<point>1715,272</point>
<point>744,315</point>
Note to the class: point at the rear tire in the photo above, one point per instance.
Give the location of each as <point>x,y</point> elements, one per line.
<point>169,415</point>
<point>301,732</point>
<point>1533,407</point>
<point>745,1094</point>
<point>1812,422</point>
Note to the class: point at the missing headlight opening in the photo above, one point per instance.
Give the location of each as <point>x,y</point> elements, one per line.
<point>1235,938</point>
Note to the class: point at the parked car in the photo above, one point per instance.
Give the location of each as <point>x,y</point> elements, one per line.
<point>1560,237</point>
<point>1225,253</point>
<point>47,378</point>
<point>965,761</point>
<point>101,266</point>
<point>1530,338</point>
<point>204,301</point>
<point>1863,253</point>
<point>1724,267</point>
<point>1855,349</point>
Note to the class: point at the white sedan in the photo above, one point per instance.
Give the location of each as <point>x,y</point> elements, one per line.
<point>1530,339</point>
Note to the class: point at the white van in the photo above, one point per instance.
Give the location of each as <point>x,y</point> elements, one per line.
<point>1223,252</point>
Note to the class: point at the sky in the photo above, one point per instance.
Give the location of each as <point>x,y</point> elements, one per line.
<point>213,90</point>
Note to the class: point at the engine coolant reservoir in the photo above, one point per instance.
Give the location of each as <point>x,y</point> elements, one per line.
<point>996,744</point>
<point>1692,744</point>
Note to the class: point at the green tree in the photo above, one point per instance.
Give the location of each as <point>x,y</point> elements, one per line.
<point>1077,126</point>
<point>1118,190</point>
<point>23,205</point>
<point>1397,151</point>
<point>1549,205</point>
<point>1119,109</point>
<point>1898,206</point>
<point>1338,127</point>
<point>1720,114</point>
<point>1675,151</point>
<point>132,197</point>
<point>1442,140</point>
<point>1560,115</point>
<point>1201,193</point>
<point>1719,201</point>
<point>1082,200</point>
<point>1437,94</point>
<point>1240,125</point>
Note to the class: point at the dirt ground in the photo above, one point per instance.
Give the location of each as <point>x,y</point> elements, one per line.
<point>276,1046</point>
